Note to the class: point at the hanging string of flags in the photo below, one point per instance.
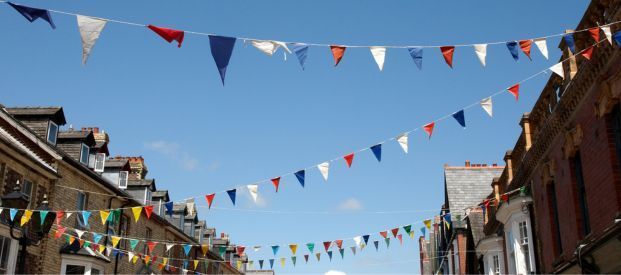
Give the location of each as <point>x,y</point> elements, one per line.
<point>90,29</point>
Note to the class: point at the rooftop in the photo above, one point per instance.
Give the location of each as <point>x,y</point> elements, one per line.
<point>53,111</point>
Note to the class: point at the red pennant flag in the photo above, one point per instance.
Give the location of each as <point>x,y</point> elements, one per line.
<point>505,197</point>
<point>95,246</point>
<point>276,182</point>
<point>59,216</point>
<point>209,199</point>
<point>400,237</point>
<point>337,53</point>
<point>515,90</point>
<point>148,210</point>
<point>151,246</point>
<point>384,234</point>
<point>429,128</point>
<point>168,34</point>
<point>594,33</point>
<point>339,243</point>
<point>447,52</point>
<point>59,231</point>
<point>588,53</point>
<point>349,159</point>
<point>240,250</point>
<point>525,46</point>
<point>395,231</point>
<point>327,245</point>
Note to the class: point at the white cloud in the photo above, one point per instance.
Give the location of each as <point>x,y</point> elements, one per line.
<point>174,152</point>
<point>350,204</point>
<point>335,272</point>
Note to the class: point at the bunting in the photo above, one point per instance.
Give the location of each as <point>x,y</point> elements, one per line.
<point>569,41</point>
<point>324,168</point>
<point>148,210</point>
<point>337,53</point>
<point>607,33</point>
<point>168,34</point>
<point>269,47</point>
<point>300,175</point>
<point>403,141</point>
<point>417,55</point>
<point>542,46</point>
<point>232,193</point>
<point>515,91</point>
<point>311,247</point>
<point>377,151</point>
<point>104,216</point>
<point>447,53</point>
<point>253,189</point>
<point>32,14</point>
<point>301,52</point>
<point>486,104</point>
<point>379,55</point>
<point>525,45</point>
<point>294,248</point>
<point>276,182</point>
<point>459,116</point>
<point>512,46</point>
<point>136,211</point>
<point>169,208</point>
<point>25,217</point>
<point>481,51</point>
<point>209,199</point>
<point>558,69</point>
<point>349,159</point>
<point>221,50</point>
<point>428,128</point>
<point>90,28</point>
<point>275,249</point>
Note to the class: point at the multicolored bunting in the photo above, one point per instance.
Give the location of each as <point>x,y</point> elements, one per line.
<point>32,14</point>
<point>379,55</point>
<point>269,47</point>
<point>85,216</point>
<point>301,52</point>
<point>326,245</point>
<point>324,168</point>
<point>542,46</point>
<point>515,91</point>
<point>136,211</point>
<point>558,69</point>
<point>403,141</point>
<point>349,159</point>
<point>275,249</point>
<point>169,208</point>
<point>428,128</point>
<point>311,247</point>
<point>253,189</point>
<point>486,104</point>
<point>569,41</point>
<point>209,199</point>
<point>294,248</point>
<point>276,182</point>
<point>376,243</point>
<point>526,45</point>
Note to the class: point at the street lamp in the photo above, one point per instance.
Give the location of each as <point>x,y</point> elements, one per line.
<point>35,230</point>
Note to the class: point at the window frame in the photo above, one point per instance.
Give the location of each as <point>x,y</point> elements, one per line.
<point>100,158</point>
<point>13,249</point>
<point>578,177</point>
<point>80,261</point>
<point>84,156</point>
<point>79,218</point>
<point>49,132</point>
<point>123,186</point>
<point>29,193</point>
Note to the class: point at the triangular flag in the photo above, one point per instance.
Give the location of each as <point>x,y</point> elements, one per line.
<point>311,247</point>
<point>607,33</point>
<point>349,159</point>
<point>69,214</point>
<point>379,54</point>
<point>417,55</point>
<point>196,264</point>
<point>306,258</point>
<point>300,175</point>
<point>358,240</point>
<point>324,168</point>
<point>240,250</point>
<point>221,50</point>
<point>187,248</point>
<point>282,262</point>
<point>569,41</point>
<point>515,91</point>
<point>130,256</point>
<point>271,263</point>
<point>422,230</point>
<point>169,208</point>
<point>384,234</point>
<point>318,256</point>
<point>412,235</point>
<point>387,242</point>
<point>90,29</point>
<point>594,33</point>
<point>400,238</point>
<point>85,216</point>
<point>136,211</point>
<point>366,238</point>
<point>115,240</point>
<point>512,46</point>
<point>294,259</point>
<point>588,52</point>
<point>81,242</point>
<point>337,53</point>
<point>339,243</point>
<point>526,45</point>
<point>256,248</point>
<point>168,34</point>
<point>79,233</point>
<point>269,47</point>
<point>429,128</point>
<point>276,183</point>
<point>32,14</point>
<point>377,151</point>
<point>330,255</point>
<point>558,69</point>
<point>342,251</point>
<point>353,250</point>
<point>221,251</point>
<point>542,46</point>
<point>447,52</point>
<point>301,52</point>
<point>427,223</point>
<point>232,193</point>
<point>394,232</point>
<point>59,231</point>
<point>294,248</point>
<point>617,38</point>
<point>42,215</point>
<point>376,243</point>
<point>486,104</point>
<point>408,228</point>
<point>204,249</point>
<point>402,139</point>
<point>261,264</point>
<point>96,237</point>
<point>460,117</point>
<point>59,216</point>
<point>275,249</point>
<point>104,216</point>
<point>253,189</point>
<point>481,51</point>
<point>209,199</point>
<point>326,245</point>
<point>25,217</point>
<point>148,210</point>
<point>133,243</point>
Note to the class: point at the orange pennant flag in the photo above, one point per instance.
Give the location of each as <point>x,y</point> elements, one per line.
<point>525,45</point>
<point>447,52</point>
<point>337,52</point>
<point>588,53</point>
<point>515,91</point>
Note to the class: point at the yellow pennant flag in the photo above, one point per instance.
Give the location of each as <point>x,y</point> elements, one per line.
<point>25,217</point>
<point>412,234</point>
<point>205,249</point>
<point>134,259</point>
<point>101,248</point>
<point>196,264</point>
<point>448,225</point>
<point>115,241</point>
<point>427,223</point>
<point>294,248</point>
<point>104,216</point>
<point>282,261</point>
<point>137,210</point>
<point>164,261</point>
<point>239,264</point>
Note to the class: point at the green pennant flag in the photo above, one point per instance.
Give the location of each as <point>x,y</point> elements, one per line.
<point>293,259</point>
<point>311,247</point>
<point>222,249</point>
<point>407,228</point>
<point>133,243</point>
<point>342,251</point>
<point>387,242</point>
<point>523,191</point>
<point>87,243</point>
<point>43,214</point>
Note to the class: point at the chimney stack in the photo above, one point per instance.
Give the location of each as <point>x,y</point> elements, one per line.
<point>467,163</point>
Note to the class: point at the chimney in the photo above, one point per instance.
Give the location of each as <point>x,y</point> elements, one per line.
<point>467,163</point>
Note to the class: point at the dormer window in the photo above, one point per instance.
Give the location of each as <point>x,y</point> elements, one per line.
<point>100,161</point>
<point>123,177</point>
<point>84,154</point>
<point>52,132</point>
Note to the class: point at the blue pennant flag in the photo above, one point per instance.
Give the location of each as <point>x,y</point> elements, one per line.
<point>185,264</point>
<point>377,151</point>
<point>459,116</point>
<point>330,255</point>
<point>271,263</point>
<point>13,212</point>
<point>187,248</point>
<point>447,218</point>
<point>232,193</point>
<point>275,249</point>
<point>301,52</point>
<point>417,56</point>
<point>617,37</point>
<point>261,264</point>
<point>300,175</point>
<point>221,50</point>
<point>342,251</point>
<point>376,243</point>
<point>569,40</point>
<point>33,14</point>
<point>85,216</point>
<point>169,208</point>
<point>422,230</point>
<point>366,239</point>
<point>96,237</point>
<point>115,252</point>
<point>513,49</point>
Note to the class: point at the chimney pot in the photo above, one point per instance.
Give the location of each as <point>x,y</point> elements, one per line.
<point>494,165</point>
<point>467,163</point>
<point>484,165</point>
<point>96,130</point>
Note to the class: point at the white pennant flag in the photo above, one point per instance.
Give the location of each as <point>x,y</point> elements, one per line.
<point>256,248</point>
<point>542,46</point>
<point>558,69</point>
<point>379,54</point>
<point>606,30</point>
<point>69,215</point>
<point>486,104</point>
<point>358,240</point>
<point>130,256</point>
<point>80,233</point>
<point>90,28</point>
<point>403,141</point>
<point>481,51</point>
<point>169,246</point>
<point>254,191</point>
<point>324,168</point>
<point>269,47</point>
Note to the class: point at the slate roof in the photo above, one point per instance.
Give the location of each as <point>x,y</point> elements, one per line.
<point>475,222</point>
<point>55,112</point>
<point>160,194</point>
<point>117,163</point>
<point>468,186</point>
<point>141,183</point>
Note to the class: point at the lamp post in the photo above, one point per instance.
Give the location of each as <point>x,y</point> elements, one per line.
<point>32,232</point>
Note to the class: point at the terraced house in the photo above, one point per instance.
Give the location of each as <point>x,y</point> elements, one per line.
<point>70,170</point>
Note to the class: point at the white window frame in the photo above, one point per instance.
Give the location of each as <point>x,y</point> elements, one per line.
<point>518,263</point>
<point>55,134</point>
<point>123,184</point>
<point>100,162</point>
<point>83,156</point>
<point>80,261</point>
<point>13,251</point>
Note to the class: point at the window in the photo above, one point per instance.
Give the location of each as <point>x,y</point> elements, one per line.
<point>523,228</point>
<point>123,177</point>
<point>52,132</point>
<point>7,255</point>
<point>100,162</point>
<point>27,189</point>
<point>124,229</point>
<point>495,264</point>
<point>556,225</point>
<point>148,236</point>
<point>79,265</point>
<point>82,202</point>
<point>84,154</point>
<point>581,190</point>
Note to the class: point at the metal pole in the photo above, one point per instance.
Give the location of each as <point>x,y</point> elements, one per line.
<point>23,242</point>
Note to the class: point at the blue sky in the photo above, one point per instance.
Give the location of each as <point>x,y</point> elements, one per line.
<point>198,137</point>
